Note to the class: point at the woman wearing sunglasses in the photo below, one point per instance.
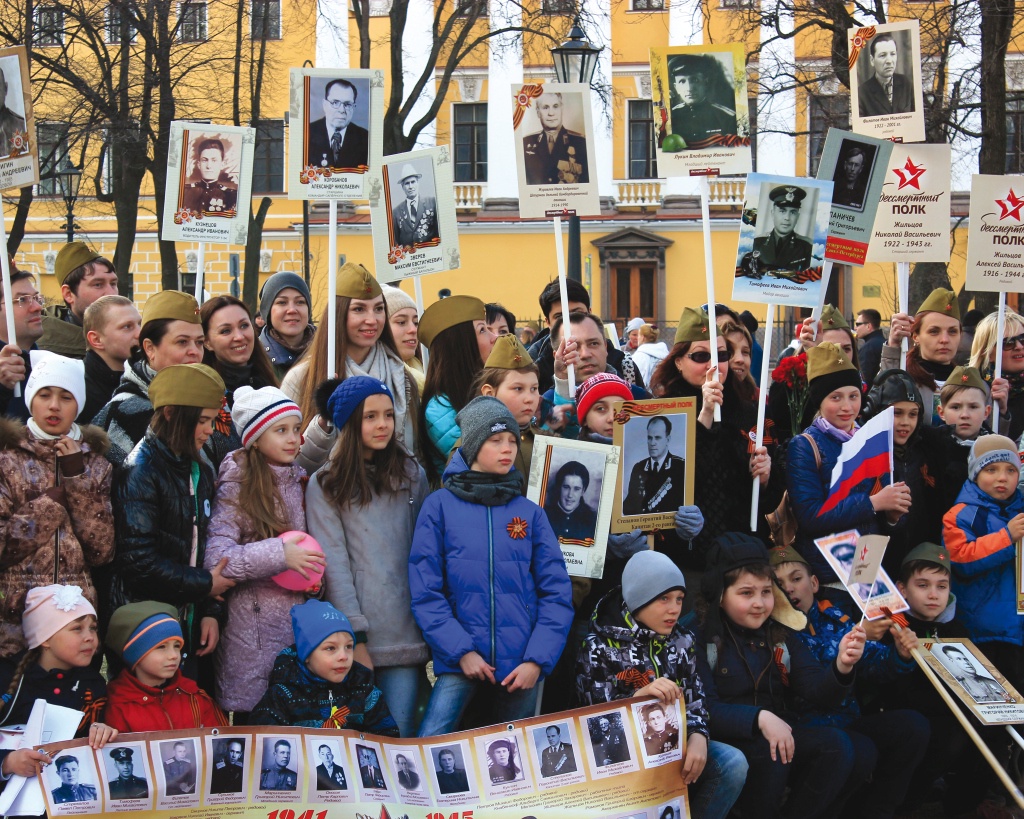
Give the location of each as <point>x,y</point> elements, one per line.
<point>725,457</point>
<point>1007,391</point>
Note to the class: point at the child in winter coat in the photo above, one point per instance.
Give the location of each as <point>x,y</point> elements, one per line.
<point>55,517</point>
<point>259,497</point>
<point>980,532</point>
<point>489,586</point>
<point>151,693</point>
<point>317,683</point>
<point>364,516</point>
<point>636,647</point>
<point>60,629</point>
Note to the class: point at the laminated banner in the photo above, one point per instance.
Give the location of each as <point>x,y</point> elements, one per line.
<point>619,759</point>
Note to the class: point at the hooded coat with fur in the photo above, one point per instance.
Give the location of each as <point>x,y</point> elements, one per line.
<point>45,541</point>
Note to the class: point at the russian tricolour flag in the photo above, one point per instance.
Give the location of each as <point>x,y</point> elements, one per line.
<point>868,454</point>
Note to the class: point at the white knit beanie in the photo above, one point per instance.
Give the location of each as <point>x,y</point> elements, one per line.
<point>254,411</point>
<point>52,370</point>
<point>396,299</point>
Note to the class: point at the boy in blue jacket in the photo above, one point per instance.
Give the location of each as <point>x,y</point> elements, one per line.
<point>980,533</point>
<point>489,586</point>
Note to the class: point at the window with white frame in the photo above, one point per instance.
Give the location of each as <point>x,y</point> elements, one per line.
<point>192,22</point>
<point>641,161</point>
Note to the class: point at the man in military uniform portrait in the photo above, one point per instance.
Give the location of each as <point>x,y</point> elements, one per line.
<point>70,789</point>
<point>558,758</point>
<point>414,218</point>
<point>369,768</point>
<point>10,123</point>
<point>127,785</point>
<point>610,745</point>
<point>278,776</point>
<point>851,176</point>
<point>659,737</point>
<point>567,511</point>
<point>658,482</point>
<point>555,155</point>
<point>227,772</point>
<point>180,771</point>
<point>705,100</point>
<point>335,141</point>
<point>886,92</point>
<point>329,777</point>
<point>982,689</point>
<point>210,192</point>
<point>781,249</point>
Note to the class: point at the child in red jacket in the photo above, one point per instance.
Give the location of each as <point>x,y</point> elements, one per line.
<point>150,693</point>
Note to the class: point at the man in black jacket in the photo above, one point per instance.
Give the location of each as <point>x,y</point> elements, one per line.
<point>868,329</point>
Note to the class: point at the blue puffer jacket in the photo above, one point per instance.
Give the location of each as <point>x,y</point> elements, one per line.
<point>808,486</point>
<point>479,585</point>
<point>983,561</point>
<point>442,429</point>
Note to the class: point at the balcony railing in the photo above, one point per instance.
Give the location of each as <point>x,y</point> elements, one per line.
<point>639,193</point>
<point>469,195</point>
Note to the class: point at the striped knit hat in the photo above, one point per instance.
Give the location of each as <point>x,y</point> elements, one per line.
<point>138,628</point>
<point>254,411</point>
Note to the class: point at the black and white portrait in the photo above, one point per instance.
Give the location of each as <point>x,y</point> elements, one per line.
<point>572,494</point>
<point>211,175</point>
<point>654,453</point>
<point>703,97</point>
<point>72,777</point>
<point>338,122</point>
<point>886,76</point>
<point>659,727</point>
<point>669,811</point>
<point>555,143</point>
<point>126,771</point>
<point>369,768</point>
<point>228,771</point>
<point>279,770</point>
<point>408,775</point>
<point>180,766</point>
<point>330,775</point>
<point>843,552</point>
<point>413,203</point>
<point>504,763</point>
<point>450,769</point>
<point>970,674</point>
<point>555,752</point>
<point>853,173</point>
<point>608,739</point>
<point>12,109</point>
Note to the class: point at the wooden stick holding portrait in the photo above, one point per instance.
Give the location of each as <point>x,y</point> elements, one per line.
<point>762,399</point>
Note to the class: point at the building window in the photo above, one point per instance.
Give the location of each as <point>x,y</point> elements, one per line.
<point>266,19</point>
<point>648,5</point>
<point>49,26</point>
<point>1015,135</point>
<point>470,139</point>
<point>825,112</point>
<point>470,8</point>
<point>642,162</point>
<point>115,20</point>
<point>52,138</point>
<point>192,22</point>
<point>558,6</point>
<point>735,4</point>
<point>268,158</point>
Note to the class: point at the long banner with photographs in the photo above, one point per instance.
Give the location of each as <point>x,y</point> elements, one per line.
<point>618,760</point>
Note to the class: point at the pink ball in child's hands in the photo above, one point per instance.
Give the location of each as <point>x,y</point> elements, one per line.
<point>291,579</point>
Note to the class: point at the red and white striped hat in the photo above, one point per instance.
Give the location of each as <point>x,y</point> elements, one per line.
<point>254,411</point>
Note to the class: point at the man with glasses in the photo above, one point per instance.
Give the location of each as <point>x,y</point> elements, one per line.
<point>334,141</point>
<point>869,333</point>
<point>28,327</point>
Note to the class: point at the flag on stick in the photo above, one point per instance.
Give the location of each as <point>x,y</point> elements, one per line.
<point>867,455</point>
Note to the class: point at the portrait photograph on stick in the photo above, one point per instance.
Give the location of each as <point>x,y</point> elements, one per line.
<point>19,152</point>
<point>886,96</point>
<point>976,682</point>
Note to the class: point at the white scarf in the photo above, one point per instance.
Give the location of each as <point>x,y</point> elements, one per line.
<point>386,366</point>
<point>75,433</point>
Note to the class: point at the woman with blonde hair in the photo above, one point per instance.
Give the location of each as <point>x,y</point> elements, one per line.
<point>1007,391</point>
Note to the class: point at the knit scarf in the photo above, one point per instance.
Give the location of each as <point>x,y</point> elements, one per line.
<point>1016,379</point>
<point>75,433</point>
<point>834,431</point>
<point>485,488</point>
<point>386,366</point>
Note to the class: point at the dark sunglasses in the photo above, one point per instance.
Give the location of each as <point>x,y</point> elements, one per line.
<point>1013,341</point>
<point>699,357</point>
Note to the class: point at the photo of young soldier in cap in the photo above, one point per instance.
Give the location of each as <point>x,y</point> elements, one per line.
<point>702,96</point>
<point>68,772</point>
<point>124,782</point>
<point>853,173</point>
<point>211,188</point>
<point>782,249</point>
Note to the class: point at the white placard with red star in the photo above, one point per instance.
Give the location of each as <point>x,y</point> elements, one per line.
<point>912,222</point>
<point>995,239</point>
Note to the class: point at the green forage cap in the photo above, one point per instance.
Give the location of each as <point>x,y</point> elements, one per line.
<point>967,377</point>
<point>832,319</point>
<point>693,326</point>
<point>942,301</point>
<point>187,385</point>
<point>356,282</point>
<point>508,354</point>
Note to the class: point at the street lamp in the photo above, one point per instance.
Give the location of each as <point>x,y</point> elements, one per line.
<point>69,178</point>
<point>575,62</point>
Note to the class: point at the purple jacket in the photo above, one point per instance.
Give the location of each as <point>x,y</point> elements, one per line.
<point>259,621</point>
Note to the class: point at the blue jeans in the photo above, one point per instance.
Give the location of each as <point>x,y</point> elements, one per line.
<point>452,694</point>
<point>401,685</point>
<point>716,790</point>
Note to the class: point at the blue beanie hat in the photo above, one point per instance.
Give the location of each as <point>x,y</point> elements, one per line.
<point>314,621</point>
<point>350,393</point>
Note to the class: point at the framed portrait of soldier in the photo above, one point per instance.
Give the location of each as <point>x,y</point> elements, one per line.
<point>281,767</point>
<point>555,149</point>
<point>408,774</point>
<point>128,776</point>
<point>452,773</point>
<point>71,783</point>
<point>412,212</point>
<point>209,180</point>
<point>329,774</point>
<point>886,82</point>
<point>608,740</point>
<point>371,774</point>
<point>975,680</point>
<point>227,773</point>
<point>662,730</point>
<point>656,439</point>
<point>557,754</point>
<point>19,150</point>
<point>781,248</point>
<point>574,482</point>
<point>176,767</point>
<point>504,769</point>
<point>336,118</point>
<point>701,115</point>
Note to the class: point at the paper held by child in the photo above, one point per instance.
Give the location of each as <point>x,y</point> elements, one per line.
<point>852,556</point>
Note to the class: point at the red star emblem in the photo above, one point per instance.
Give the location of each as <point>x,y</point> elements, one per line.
<point>964,378</point>
<point>1010,206</point>
<point>909,175</point>
<point>864,553</point>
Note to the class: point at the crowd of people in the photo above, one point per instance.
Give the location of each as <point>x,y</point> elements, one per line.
<point>232,527</point>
